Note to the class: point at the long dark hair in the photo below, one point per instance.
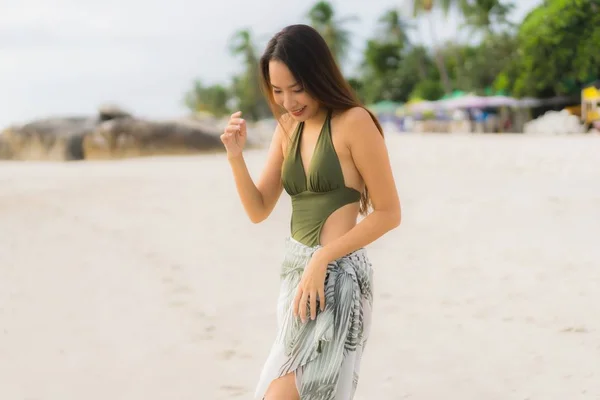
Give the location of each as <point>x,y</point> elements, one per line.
<point>304,51</point>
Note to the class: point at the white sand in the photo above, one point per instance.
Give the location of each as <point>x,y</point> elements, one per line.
<point>143,279</point>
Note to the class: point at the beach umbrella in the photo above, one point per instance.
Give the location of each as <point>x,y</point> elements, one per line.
<point>527,102</point>
<point>465,101</point>
<point>422,106</point>
<point>384,107</point>
<point>501,101</point>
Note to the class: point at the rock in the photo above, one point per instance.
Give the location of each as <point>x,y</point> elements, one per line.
<point>130,137</point>
<point>5,150</point>
<point>112,133</point>
<point>48,139</point>
<point>260,133</point>
<point>107,112</point>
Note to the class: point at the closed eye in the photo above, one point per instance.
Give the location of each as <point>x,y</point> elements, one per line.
<point>278,91</point>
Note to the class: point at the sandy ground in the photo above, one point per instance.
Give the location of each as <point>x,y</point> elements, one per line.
<point>143,279</point>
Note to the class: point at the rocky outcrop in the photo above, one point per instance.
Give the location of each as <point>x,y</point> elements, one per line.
<point>5,152</point>
<point>113,133</point>
<point>130,137</point>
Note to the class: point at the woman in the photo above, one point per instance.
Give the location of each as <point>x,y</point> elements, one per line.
<point>329,155</point>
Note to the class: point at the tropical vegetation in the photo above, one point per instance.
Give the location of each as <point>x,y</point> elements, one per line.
<point>552,52</point>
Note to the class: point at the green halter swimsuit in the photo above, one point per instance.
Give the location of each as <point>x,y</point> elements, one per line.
<point>318,193</point>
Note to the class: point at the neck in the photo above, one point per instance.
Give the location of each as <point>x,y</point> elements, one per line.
<point>317,120</point>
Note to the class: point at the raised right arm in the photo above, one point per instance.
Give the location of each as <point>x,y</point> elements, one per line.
<point>260,199</point>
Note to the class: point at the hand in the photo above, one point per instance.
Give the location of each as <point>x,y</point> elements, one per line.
<point>234,135</point>
<point>311,285</point>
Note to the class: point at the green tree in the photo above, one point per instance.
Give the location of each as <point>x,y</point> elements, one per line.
<point>425,7</point>
<point>246,86</point>
<point>494,54</point>
<point>322,17</point>
<point>393,28</point>
<point>212,99</point>
<point>486,15</point>
<point>486,18</point>
<point>558,49</point>
<point>382,57</point>
<point>381,62</point>
<point>358,85</point>
<point>429,89</point>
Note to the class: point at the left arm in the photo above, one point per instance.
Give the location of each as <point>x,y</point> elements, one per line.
<point>371,158</point>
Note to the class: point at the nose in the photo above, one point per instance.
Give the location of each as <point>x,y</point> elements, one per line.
<point>288,101</point>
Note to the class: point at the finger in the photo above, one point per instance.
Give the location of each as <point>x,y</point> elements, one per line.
<point>296,302</point>
<point>322,298</point>
<point>303,306</point>
<point>234,122</point>
<point>313,305</point>
<point>243,126</point>
<point>236,114</point>
<point>232,128</point>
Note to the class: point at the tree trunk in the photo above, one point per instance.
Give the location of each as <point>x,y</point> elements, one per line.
<point>459,81</point>
<point>439,58</point>
<point>422,72</point>
<point>421,61</point>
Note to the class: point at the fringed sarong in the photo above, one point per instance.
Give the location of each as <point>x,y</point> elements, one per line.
<point>324,353</point>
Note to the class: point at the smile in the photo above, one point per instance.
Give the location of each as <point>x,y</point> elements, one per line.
<point>298,111</point>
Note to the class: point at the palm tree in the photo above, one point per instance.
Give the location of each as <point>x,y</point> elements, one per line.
<point>393,27</point>
<point>484,15</point>
<point>321,17</point>
<point>247,86</point>
<point>242,45</point>
<point>212,99</point>
<point>421,7</point>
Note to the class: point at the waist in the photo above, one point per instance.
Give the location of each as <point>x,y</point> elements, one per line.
<point>310,211</point>
<point>297,254</point>
<point>298,247</point>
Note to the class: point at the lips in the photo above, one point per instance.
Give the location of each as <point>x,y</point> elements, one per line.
<point>298,111</point>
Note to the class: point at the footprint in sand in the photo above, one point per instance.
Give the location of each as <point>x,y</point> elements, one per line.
<point>207,334</point>
<point>175,287</point>
<point>181,289</point>
<point>177,293</point>
<point>167,280</point>
<point>175,267</point>
<point>227,354</point>
<point>233,390</point>
<point>177,304</point>
<point>575,329</point>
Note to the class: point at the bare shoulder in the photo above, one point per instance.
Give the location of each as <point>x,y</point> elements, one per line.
<point>355,114</point>
<point>358,126</point>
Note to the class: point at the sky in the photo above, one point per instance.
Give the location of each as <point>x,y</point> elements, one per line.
<point>68,57</point>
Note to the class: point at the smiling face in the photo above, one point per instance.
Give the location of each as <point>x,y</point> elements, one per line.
<point>289,94</point>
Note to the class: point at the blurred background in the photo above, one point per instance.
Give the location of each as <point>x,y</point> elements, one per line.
<point>422,66</point>
<point>129,270</point>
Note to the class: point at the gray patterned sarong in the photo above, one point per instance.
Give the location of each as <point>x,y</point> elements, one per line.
<point>325,353</point>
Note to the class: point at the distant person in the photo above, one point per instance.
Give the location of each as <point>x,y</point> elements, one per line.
<point>329,154</point>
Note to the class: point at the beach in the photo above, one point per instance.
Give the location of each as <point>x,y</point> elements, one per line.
<point>144,279</point>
